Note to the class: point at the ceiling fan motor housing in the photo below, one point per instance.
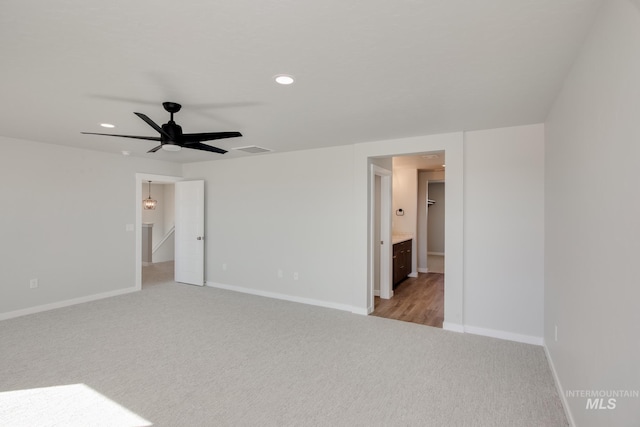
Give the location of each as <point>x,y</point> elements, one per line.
<point>173,130</point>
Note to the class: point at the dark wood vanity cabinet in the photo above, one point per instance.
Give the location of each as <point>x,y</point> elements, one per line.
<point>401,261</point>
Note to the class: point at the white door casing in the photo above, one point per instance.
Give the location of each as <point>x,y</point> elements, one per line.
<point>189,232</point>
<point>383,263</point>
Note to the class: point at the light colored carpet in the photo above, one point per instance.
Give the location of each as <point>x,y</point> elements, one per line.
<point>177,355</point>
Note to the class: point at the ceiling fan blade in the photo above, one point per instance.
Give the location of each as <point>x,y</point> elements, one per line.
<point>189,138</point>
<point>149,138</point>
<point>204,147</point>
<point>154,149</point>
<point>153,125</point>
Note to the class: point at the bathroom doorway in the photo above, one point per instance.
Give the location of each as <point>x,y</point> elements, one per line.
<point>417,222</point>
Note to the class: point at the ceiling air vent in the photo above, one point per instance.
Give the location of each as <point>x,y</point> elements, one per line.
<point>253,149</point>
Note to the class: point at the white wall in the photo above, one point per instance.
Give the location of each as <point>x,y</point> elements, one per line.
<point>504,230</point>
<point>289,211</point>
<point>405,197</point>
<point>166,251</point>
<point>592,214</point>
<point>383,162</point>
<point>62,221</point>
<point>433,175</point>
<point>154,216</point>
<point>421,235</point>
<point>169,202</point>
<point>424,177</point>
<point>436,217</point>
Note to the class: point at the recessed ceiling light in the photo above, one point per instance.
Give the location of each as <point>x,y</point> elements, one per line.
<point>126,153</point>
<point>431,156</point>
<point>284,79</point>
<point>107,125</point>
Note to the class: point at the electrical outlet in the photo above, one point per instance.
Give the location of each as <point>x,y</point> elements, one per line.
<point>556,333</point>
<point>33,283</point>
<point>280,274</point>
<point>295,276</point>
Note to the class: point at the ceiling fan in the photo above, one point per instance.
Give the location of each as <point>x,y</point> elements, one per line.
<point>171,137</point>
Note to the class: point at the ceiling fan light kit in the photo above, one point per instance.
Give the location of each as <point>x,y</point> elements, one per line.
<point>171,137</point>
<point>171,147</point>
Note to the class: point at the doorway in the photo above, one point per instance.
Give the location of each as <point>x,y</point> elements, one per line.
<point>381,245</point>
<point>452,144</point>
<point>158,233</point>
<point>154,272</point>
<point>436,194</point>
<point>418,283</point>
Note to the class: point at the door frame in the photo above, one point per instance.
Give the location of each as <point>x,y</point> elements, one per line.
<point>140,178</point>
<point>384,263</point>
<point>452,144</point>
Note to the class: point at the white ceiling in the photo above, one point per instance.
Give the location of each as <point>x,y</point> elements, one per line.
<point>365,69</point>
<point>432,161</point>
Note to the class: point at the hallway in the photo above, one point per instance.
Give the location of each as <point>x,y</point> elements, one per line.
<point>160,272</point>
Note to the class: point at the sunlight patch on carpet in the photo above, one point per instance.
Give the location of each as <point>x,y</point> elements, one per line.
<point>65,405</point>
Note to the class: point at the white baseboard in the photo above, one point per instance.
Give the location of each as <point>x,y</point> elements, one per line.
<point>355,310</point>
<point>509,336</point>
<point>292,298</point>
<point>413,274</point>
<point>66,303</point>
<point>453,327</point>
<point>423,270</point>
<point>376,293</point>
<point>556,380</point>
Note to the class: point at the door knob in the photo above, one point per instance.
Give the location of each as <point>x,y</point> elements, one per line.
<point>200,238</point>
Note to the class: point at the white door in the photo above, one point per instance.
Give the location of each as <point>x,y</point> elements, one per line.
<point>189,234</point>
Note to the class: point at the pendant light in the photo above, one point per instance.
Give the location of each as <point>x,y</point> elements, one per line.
<point>149,203</point>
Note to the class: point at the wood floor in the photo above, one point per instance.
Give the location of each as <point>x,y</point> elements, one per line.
<point>417,300</point>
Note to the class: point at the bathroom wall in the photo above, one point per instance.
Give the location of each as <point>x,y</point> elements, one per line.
<point>435,218</point>
<point>405,197</point>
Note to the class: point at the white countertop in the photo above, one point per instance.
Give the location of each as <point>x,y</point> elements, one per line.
<point>398,238</point>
